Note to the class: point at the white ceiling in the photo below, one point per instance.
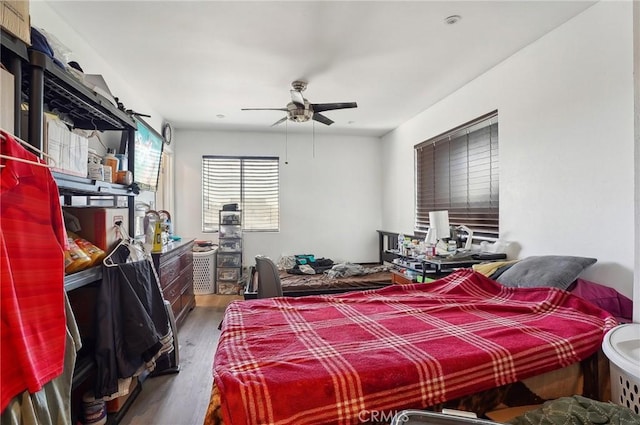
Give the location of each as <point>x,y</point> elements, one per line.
<point>194,60</point>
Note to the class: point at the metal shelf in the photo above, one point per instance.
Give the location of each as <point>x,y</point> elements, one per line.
<point>74,185</point>
<point>63,92</point>
<point>14,45</point>
<point>84,366</point>
<point>82,278</point>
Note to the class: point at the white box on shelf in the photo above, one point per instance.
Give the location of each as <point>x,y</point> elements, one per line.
<point>78,155</point>
<point>54,143</point>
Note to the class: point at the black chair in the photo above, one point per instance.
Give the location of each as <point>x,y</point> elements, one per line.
<point>268,278</point>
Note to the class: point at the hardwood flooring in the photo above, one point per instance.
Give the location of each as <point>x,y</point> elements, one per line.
<point>182,398</point>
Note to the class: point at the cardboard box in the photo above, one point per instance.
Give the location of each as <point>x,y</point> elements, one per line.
<point>7,101</point>
<point>98,224</point>
<point>15,19</point>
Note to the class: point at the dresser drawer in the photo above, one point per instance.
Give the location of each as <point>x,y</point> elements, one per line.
<point>186,261</point>
<point>169,271</point>
<point>173,291</point>
<point>175,270</point>
<point>188,301</point>
<point>186,280</point>
<point>176,307</point>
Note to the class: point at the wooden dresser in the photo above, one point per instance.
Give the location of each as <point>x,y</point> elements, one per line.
<point>175,270</point>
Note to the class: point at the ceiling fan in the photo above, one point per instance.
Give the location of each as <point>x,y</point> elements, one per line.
<point>300,110</point>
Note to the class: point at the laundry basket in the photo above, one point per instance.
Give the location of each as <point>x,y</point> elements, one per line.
<point>204,272</point>
<point>621,345</point>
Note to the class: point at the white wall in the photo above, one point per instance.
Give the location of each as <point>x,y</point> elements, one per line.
<point>571,91</point>
<point>330,200</point>
<point>565,111</point>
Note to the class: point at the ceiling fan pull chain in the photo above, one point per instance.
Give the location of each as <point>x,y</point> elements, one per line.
<point>286,142</point>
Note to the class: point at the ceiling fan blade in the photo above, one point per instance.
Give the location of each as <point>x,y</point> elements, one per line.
<point>320,107</point>
<point>321,118</point>
<point>297,98</point>
<point>280,121</point>
<point>263,109</point>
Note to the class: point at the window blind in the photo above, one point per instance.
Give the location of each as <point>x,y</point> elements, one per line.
<point>251,182</point>
<point>458,171</point>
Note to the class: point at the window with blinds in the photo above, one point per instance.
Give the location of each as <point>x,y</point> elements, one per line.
<point>251,182</point>
<point>458,171</point>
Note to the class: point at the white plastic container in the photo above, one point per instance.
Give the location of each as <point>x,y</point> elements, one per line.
<point>621,345</point>
<point>204,272</point>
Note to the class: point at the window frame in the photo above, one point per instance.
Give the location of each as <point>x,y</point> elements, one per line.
<point>482,216</point>
<point>243,173</point>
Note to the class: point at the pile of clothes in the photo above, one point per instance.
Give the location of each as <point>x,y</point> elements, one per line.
<point>307,264</point>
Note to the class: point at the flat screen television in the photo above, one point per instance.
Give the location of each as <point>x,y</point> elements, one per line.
<point>148,155</point>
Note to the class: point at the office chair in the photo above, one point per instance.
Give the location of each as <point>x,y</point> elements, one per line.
<point>268,278</point>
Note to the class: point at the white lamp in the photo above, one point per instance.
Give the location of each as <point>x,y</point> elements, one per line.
<point>438,230</point>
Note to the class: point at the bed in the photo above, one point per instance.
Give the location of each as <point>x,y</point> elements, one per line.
<point>323,282</point>
<point>296,285</point>
<point>329,358</point>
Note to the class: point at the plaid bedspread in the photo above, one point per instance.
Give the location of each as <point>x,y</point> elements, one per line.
<point>340,359</point>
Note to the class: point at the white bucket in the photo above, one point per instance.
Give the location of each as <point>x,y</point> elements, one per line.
<point>621,345</point>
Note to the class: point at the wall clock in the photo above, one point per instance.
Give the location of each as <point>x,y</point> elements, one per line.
<point>167,133</point>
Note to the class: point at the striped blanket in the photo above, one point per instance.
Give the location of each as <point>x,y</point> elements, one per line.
<point>337,359</point>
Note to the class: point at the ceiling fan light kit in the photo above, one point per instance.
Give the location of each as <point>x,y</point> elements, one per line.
<point>301,110</point>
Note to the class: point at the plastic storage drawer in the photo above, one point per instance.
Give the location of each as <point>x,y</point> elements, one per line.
<point>229,260</point>
<point>228,274</point>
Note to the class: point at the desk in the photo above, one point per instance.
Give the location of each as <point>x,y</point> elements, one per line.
<point>445,266</point>
<point>434,268</point>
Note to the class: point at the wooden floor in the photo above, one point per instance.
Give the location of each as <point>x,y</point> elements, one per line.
<point>182,398</point>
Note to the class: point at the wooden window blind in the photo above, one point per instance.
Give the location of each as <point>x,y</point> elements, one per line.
<point>458,171</point>
<point>251,182</point>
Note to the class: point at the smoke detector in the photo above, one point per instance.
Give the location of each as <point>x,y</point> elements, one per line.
<point>450,20</point>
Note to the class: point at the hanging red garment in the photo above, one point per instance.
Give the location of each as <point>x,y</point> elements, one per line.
<point>32,243</point>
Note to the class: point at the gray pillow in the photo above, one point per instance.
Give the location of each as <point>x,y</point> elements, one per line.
<point>557,271</point>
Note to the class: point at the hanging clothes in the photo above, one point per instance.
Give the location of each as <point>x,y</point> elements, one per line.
<point>32,243</point>
<point>52,404</point>
<point>132,324</point>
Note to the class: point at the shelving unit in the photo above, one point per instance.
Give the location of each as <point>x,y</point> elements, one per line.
<point>38,81</point>
<point>229,258</point>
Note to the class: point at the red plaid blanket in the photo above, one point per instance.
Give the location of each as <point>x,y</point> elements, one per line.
<point>337,359</point>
